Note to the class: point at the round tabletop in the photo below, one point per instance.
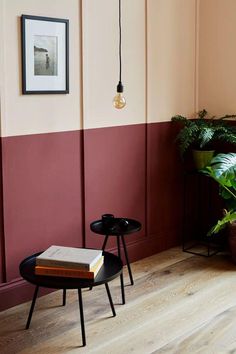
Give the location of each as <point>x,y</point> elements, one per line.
<point>111,268</point>
<point>120,226</point>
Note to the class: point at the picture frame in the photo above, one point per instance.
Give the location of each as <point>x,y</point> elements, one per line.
<point>45,55</point>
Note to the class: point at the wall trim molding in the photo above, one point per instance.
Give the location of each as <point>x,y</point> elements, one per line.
<point>196,74</point>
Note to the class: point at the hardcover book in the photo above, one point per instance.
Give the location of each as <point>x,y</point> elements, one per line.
<point>70,257</point>
<point>69,272</point>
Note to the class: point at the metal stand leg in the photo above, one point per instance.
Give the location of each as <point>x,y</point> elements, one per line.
<point>121,276</point>
<point>105,242</point>
<point>64,297</point>
<point>32,307</point>
<point>184,214</point>
<point>81,317</point>
<point>127,261</point>
<point>110,300</point>
<point>122,288</point>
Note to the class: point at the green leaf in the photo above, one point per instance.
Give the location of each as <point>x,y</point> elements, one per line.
<point>223,170</point>
<point>205,136</point>
<point>202,114</point>
<point>179,118</point>
<point>224,165</point>
<point>202,131</point>
<point>228,218</point>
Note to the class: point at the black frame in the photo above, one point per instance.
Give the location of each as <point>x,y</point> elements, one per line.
<point>23,43</point>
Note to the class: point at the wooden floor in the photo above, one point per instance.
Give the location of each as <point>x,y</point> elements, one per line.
<point>179,304</point>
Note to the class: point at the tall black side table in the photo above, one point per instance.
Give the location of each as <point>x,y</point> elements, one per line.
<point>111,269</point>
<point>119,228</point>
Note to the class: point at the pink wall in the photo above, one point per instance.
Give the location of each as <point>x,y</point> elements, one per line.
<point>217,54</point>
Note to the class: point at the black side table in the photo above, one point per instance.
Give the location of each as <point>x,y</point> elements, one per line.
<point>119,228</point>
<point>111,269</point>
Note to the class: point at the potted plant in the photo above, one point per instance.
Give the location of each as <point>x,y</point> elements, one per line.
<point>199,134</point>
<point>223,170</point>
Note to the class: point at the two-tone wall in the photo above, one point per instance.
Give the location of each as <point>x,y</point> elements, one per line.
<point>41,151</point>
<point>67,159</point>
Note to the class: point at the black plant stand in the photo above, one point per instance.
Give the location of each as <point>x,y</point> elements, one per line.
<point>200,190</point>
<point>111,269</point>
<point>119,228</point>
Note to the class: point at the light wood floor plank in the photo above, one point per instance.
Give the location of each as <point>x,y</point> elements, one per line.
<point>215,336</point>
<point>179,304</point>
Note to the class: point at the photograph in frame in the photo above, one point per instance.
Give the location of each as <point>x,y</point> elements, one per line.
<point>45,55</point>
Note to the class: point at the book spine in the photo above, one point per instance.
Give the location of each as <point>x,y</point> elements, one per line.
<point>54,263</point>
<point>68,273</point>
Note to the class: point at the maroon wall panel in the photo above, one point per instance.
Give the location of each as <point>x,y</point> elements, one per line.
<point>130,171</point>
<point>41,194</point>
<point>115,177</point>
<point>164,185</point>
<point>2,240</point>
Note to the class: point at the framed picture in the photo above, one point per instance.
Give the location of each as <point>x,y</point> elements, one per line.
<point>45,55</point>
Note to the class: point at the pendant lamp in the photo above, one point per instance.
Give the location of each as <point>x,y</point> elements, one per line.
<point>119,100</point>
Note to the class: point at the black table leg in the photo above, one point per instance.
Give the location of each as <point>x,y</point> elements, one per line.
<point>64,297</point>
<point>32,307</point>
<point>81,317</point>
<point>122,288</point>
<point>110,300</point>
<point>127,261</point>
<point>118,245</point>
<point>105,242</point>
<point>121,276</point>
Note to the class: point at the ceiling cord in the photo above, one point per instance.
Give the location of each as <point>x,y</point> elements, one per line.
<point>120,39</point>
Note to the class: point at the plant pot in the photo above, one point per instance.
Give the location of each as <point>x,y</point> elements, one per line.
<point>202,158</point>
<point>232,241</point>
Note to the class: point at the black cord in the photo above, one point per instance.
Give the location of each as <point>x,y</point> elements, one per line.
<point>120,87</point>
<point>120,38</point>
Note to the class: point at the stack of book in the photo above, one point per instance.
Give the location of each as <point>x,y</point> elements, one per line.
<point>59,261</point>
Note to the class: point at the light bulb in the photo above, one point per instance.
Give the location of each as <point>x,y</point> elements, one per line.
<point>119,101</point>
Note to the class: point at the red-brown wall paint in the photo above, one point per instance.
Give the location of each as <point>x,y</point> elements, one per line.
<point>115,177</point>
<point>2,240</point>
<point>130,171</point>
<point>164,185</point>
<point>41,195</point>
<point>135,171</point>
